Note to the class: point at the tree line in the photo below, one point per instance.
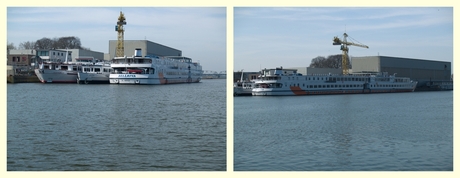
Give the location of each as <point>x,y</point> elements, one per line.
<point>332,61</point>
<point>69,42</point>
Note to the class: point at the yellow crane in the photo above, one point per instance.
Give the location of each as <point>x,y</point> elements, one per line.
<point>119,28</point>
<point>344,47</point>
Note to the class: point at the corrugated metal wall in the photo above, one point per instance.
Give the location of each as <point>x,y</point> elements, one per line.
<point>148,48</point>
<point>416,69</point>
<point>365,64</point>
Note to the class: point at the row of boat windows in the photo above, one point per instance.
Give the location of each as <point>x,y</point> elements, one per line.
<point>279,85</point>
<point>332,78</point>
<point>181,73</point>
<point>171,62</point>
<point>97,70</point>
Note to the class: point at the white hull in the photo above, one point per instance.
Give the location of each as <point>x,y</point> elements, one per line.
<point>295,91</point>
<point>148,79</point>
<point>56,76</point>
<point>279,82</point>
<point>243,88</point>
<point>94,74</point>
<point>92,78</point>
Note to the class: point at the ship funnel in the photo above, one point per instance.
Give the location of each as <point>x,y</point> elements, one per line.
<point>138,52</point>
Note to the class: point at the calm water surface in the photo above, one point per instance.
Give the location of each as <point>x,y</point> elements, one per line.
<point>361,132</point>
<point>116,127</point>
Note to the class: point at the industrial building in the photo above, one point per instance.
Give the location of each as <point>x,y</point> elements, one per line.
<point>423,71</point>
<point>148,48</point>
<point>52,54</point>
<point>78,53</point>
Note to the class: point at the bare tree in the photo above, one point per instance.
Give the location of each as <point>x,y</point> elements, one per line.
<point>332,61</point>
<point>26,45</point>
<point>10,46</point>
<point>318,62</point>
<point>335,61</point>
<point>44,43</point>
<point>70,42</point>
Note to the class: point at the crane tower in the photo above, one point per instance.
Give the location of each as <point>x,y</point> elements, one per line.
<point>119,28</point>
<point>344,47</point>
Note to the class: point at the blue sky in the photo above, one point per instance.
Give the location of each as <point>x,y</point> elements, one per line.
<point>200,33</point>
<point>271,37</point>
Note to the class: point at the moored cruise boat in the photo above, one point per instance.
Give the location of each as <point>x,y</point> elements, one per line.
<point>95,73</point>
<point>279,81</point>
<point>154,70</point>
<point>243,87</point>
<point>56,72</point>
<point>52,71</point>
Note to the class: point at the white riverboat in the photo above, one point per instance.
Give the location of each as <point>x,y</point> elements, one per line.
<point>64,72</point>
<point>154,70</point>
<point>95,73</point>
<point>243,87</point>
<point>281,81</point>
<point>57,72</point>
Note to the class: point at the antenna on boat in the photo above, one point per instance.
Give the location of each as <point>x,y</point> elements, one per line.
<point>66,54</point>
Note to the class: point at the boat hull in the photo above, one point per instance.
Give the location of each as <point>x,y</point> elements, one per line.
<point>88,78</point>
<point>56,76</point>
<point>149,79</point>
<point>293,92</point>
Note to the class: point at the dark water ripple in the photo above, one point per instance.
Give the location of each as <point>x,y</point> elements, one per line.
<point>378,132</point>
<point>117,127</point>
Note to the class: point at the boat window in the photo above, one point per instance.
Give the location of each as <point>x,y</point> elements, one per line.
<point>97,70</point>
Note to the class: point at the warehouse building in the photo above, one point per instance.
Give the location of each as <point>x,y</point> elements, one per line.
<point>423,71</point>
<point>148,48</point>
<point>55,54</point>
<point>78,53</point>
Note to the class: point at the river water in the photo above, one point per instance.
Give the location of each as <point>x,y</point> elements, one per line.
<point>358,132</point>
<point>179,127</point>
